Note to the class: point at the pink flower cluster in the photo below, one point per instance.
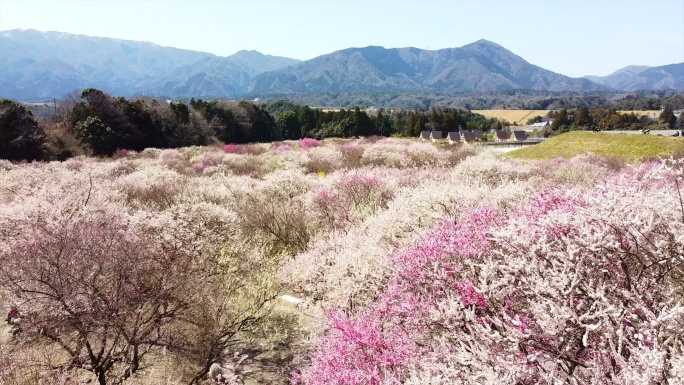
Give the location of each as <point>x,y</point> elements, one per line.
<point>307,143</point>
<point>242,149</point>
<point>353,197</point>
<point>576,285</point>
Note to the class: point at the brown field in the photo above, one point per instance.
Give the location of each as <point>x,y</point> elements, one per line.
<point>650,113</point>
<point>522,116</point>
<point>518,116</point>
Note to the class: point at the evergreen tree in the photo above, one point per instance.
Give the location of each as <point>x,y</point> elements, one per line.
<point>289,125</point>
<point>363,125</point>
<point>560,120</point>
<point>667,117</point>
<point>582,118</point>
<point>99,137</point>
<point>21,137</point>
<point>411,124</point>
<point>100,122</point>
<point>307,119</point>
<point>383,124</point>
<point>259,125</point>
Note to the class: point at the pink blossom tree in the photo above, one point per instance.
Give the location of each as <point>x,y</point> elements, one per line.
<point>578,285</point>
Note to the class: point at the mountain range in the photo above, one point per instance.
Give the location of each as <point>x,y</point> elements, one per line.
<point>636,77</point>
<point>38,65</point>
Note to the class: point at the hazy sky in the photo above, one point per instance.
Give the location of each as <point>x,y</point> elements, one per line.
<point>571,37</point>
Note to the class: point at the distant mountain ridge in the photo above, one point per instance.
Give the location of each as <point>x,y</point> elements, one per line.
<point>61,62</point>
<point>36,65</point>
<point>215,77</point>
<point>480,66</point>
<point>635,77</point>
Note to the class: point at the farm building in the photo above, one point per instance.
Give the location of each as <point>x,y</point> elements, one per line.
<point>424,135</point>
<point>520,135</point>
<point>542,124</point>
<point>468,136</point>
<point>501,136</point>
<point>436,135</point>
<point>454,137</point>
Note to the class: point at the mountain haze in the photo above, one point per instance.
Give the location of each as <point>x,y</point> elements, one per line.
<point>633,78</point>
<point>61,62</point>
<point>37,65</point>
<point>215,77</point>
<point>480,66</point>
<point>669,76</point>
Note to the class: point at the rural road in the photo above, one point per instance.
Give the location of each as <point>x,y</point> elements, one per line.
<point>654,132</point>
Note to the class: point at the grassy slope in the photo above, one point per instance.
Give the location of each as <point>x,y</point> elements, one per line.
<point>629,147</point>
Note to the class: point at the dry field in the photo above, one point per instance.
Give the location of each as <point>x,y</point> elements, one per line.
<point>521,116</point>
<point>518,116</point>
<point>650,113</point>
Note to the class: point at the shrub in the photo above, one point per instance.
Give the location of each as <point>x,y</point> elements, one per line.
<point>323,159</point>
<point>280,147</point>
<point>456,154</point>
<point>154,187</point>
<point>243,149</point>
<point>121,154</point>
<point>351,198</point>
<point>421,154</point>
<point>233,149</point>
<point>381,154</point>
<point>274,215</point>
<point>352,153</point>
<point>124,167</point>
<point>307,143</point>
<point>150,153</point>
<point>247,165</point>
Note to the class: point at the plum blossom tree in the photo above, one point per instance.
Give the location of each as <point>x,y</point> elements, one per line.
<point>98,288</point>
<point>111,289</point>
<point>580,285</point>
<point>428,270</point>
<point>353,197</point>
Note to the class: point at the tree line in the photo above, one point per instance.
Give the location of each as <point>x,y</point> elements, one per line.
<point>299,121</point>
<point>507,99</point>
<point>583,118</point>
<point>96,123</point>
<point>99,124</point>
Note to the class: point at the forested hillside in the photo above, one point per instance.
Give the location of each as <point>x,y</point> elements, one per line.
<point>97,123</point>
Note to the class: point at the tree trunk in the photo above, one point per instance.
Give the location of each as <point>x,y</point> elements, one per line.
<point>101,379</point>
<point>201,373</point>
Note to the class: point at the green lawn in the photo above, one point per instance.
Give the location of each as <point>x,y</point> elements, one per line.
<point>628,146</point>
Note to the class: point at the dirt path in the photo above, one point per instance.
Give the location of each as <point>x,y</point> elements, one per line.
<point>270,361</point>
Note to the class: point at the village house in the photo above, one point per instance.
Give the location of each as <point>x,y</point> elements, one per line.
<point>501,136</point>
<point>436,135</point>
<point>520,136</point>
<point>541,124</point>
<point>453,137</point>
<point>469,137</point>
